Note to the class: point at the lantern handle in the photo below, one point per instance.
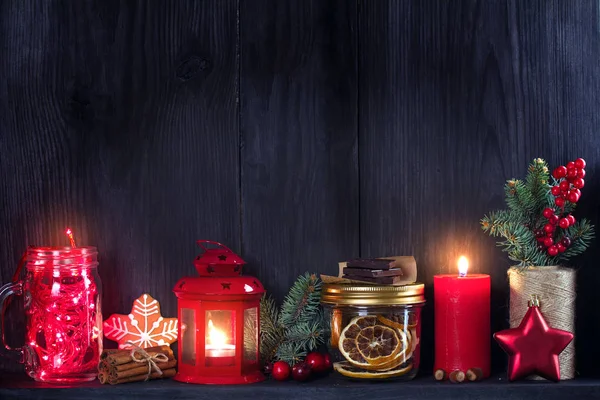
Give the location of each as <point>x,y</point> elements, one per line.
<point>212,242</point>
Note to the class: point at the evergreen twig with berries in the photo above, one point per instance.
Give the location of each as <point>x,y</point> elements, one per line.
<point>538,228</point>
<point>289,333</point>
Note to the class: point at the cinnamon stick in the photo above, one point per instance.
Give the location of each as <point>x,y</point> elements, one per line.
<point>102,366</point>
<point>124,356</point>
<point>141,369</point>
<point>169,373</point>
<point>103,377</point>
<point>133,364</point>
<point>108,352</point>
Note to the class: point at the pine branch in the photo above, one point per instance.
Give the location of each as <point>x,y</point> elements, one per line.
<point>272,333</point>
<point>495,223</point>
<point>290,352</point>
<point>537,182</point>
<point>299,326</point>
<point>518,198</point>
<point>516,225</point>
<point>302,301</point>
<point>581,235</point>
<point>307,336</point>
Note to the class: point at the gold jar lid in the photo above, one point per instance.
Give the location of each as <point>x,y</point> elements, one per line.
<point>372,295</point>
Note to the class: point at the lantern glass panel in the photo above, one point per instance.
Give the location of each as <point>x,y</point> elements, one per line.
<point>220,338</point>
<point>250,334</point>
<point>188,336</point>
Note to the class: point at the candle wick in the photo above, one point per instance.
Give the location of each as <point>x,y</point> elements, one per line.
<point>462,274</point>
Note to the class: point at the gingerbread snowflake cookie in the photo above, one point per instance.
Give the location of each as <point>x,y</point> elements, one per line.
<point>144,326</point>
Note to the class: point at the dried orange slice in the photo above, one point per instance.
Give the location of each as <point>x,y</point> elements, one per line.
<point>396,324</point>
<point>347,369</point>
<point>389,322</point>
<point>369,345</point>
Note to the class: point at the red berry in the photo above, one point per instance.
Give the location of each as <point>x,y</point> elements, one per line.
<point>579,183</point>
<point>550,234</point>
<point>541,239</point>
<point>553,250</point>
<point>564,186</point>
<point>571,165</point>
<point>549,228</point>
<point>541,247</point>
<point>563,223</point>
<point>316,361</point>
<point>555,190</point>
<point>548,212</point>
<point>268,368</point>
<point>581,173</point>
<point>559,172</point>
<point>580,163</point>
<point>281,370</point>
<point>538,233</point>
<point>566,241</point>
<point>559,201</point>
<point>553,219</point>
<point>560,247</point>
<point>328,363</point>
<point>548,242</point>
<point>574,195</point>
<point>571,174</point>
<point>301,372</point>
<point>571,219</point>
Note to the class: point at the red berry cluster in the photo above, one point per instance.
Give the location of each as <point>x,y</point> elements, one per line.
<point>570,182</point>
<point>568,189</point>
<point>314,362</point>
<point>545,237</point>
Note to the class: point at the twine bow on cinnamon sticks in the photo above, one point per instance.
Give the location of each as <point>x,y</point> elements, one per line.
<point>135,364</point>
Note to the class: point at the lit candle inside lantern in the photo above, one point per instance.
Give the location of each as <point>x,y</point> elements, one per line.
<point>217,345</point>
<point>462,321</point>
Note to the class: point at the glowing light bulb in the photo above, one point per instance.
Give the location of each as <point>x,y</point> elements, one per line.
<point>55,289</point>
<point>463,266</point>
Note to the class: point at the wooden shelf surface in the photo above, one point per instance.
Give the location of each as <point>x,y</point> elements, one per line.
<point>331,387</point>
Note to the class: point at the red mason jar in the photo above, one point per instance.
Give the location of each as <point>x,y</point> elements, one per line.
<point>62,304</point>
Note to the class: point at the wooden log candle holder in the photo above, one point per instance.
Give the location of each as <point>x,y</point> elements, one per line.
<point>457,376</point>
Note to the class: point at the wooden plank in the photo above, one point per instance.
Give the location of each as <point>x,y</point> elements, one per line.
<point>331,387</point>
<point>454,98</point>
<point>120,121</point>
<point>298,124</point>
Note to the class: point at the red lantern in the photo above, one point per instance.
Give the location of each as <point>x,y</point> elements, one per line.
<point>219,320</point>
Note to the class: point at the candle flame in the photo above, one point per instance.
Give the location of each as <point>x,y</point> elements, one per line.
<point>216,337</point>
<point>463,266</point>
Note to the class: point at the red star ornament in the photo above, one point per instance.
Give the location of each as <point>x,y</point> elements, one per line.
<point>533,347</point>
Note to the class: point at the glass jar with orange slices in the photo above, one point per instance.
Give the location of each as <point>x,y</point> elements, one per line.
<point>375,329</point>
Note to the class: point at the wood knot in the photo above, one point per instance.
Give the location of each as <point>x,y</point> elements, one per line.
<point>191,67</point>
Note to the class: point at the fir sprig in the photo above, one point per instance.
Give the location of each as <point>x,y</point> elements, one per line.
<point>271,333</point>
<point>302,301</point>
<point>299,327</point>
<point>516,225</point>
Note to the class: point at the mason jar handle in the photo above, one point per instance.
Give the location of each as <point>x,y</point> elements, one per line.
<point>215,243</point>
<point>5,292</point>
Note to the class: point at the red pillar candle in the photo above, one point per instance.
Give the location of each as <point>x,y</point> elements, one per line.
<point>462,321</point>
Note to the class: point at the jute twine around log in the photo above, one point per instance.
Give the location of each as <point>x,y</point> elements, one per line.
<point>555,287</point>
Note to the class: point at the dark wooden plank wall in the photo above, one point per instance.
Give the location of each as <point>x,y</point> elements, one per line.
<point>298,133</point>
<point>456,97</point>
